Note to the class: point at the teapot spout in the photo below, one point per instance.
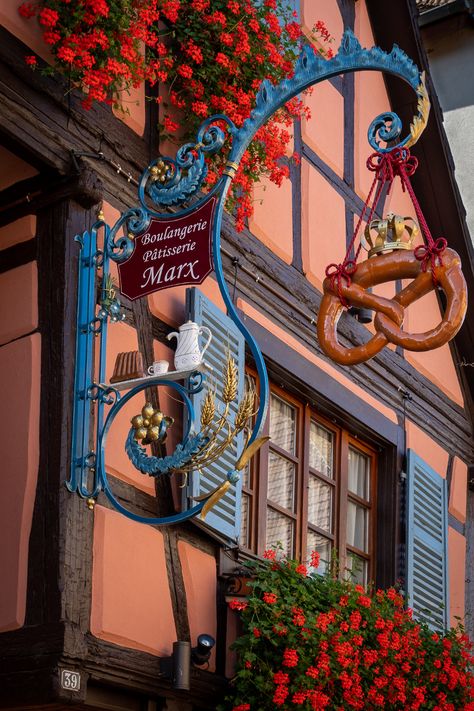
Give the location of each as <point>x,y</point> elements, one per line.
<point>175,334</point>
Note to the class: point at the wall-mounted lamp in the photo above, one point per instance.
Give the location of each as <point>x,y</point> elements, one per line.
<point>202,651</point>
<point>178,666</point>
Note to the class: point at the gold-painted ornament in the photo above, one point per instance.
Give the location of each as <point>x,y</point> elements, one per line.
<point>147,411</point>
<point>159,172</point>
<point>151,425</point>
<point>392,232</point>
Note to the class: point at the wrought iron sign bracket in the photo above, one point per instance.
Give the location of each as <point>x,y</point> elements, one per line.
<point>177,182</point>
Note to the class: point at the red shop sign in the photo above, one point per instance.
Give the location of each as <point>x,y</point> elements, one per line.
<point>171,252</point>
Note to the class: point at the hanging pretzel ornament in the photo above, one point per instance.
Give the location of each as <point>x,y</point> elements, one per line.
<point>391,257</point>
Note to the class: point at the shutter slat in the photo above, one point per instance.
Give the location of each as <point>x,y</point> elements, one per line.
<point>427,530</point>
<point>225,516</point>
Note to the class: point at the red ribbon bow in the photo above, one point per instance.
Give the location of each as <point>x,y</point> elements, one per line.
<point>397,162</point>
<point>337,272</point>
<point>426,253</point>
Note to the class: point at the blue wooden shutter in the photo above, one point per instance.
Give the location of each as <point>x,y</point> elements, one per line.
<point>225,516</point>
<point>427,550</point>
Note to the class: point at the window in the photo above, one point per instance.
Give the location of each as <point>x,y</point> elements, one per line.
<point>312,488</point>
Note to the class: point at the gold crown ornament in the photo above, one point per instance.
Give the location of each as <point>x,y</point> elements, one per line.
<point>389,234</point>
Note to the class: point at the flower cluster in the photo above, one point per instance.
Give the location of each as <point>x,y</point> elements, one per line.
<point>212,57</point>
<point>343,647</point>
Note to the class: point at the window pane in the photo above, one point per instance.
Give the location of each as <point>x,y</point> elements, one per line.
<point>319,503</point>
<point>282,424</point>
<point>321,449</point>
<point>281,481</point>
<point>246,479</point>
<point>244,522</point>
<point>280,531</point>
<point>356,569</point>
<point>323,547</point>
<point>357,526</point>
<point>358,480</point>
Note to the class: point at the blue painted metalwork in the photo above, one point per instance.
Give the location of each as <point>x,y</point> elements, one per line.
<point>165,182</point>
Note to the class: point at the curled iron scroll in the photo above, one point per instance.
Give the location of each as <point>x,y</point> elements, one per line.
<point>148,464</point>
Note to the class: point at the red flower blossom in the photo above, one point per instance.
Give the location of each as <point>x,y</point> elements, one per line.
<point>290,658</point>
<point>31,60</point>
<point>301,569</point>
<point>281,678</point>
<point>281,692</point>
<point>269,598</point>
<point>193,51</point>
<point>238,604</point>
<point>299,697</point>
<point>200,108</point>
<point>66,54</point>
<point>170,125</point>
<point>200,5</point>
<point>185,71</point>
<point>298,617</point>
<point>48,17</point>
<point>27,10</point>
<point>315,559</point>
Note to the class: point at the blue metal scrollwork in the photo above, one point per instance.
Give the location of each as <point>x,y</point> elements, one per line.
<point>171,182</point>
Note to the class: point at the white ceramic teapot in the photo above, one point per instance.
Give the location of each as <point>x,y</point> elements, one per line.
<point>188,354</point>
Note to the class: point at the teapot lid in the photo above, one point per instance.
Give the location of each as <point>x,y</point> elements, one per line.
<point>188,324</point>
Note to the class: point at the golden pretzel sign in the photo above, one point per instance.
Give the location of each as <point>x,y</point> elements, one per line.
<point>390,312</point>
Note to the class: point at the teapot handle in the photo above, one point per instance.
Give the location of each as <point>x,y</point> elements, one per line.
<point>204,329</point>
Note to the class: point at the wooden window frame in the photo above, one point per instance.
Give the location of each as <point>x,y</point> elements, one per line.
<point>258,480</point>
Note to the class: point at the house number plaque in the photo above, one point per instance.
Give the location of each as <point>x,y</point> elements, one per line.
<point>70,680</point>
<point>172,252</point>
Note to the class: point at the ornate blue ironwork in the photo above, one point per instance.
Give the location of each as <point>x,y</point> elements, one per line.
<point>170,182</point>
<point>163,465</point>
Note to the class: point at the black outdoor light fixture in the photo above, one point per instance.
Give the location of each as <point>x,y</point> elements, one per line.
<point>178,666</point>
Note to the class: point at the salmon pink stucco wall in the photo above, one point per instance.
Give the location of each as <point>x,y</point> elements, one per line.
<point>328,12</point>
<point>324,131</point>
<point>132,110</point>
<point>426,448</point>
<point>200,582</point>
<point>19,314</point>
<point>458,490</point>
<point>131,602</point>
<point>122,338</point>
<point>28,31</point>
<point>323,224</point>
<point>14,169</point>
<point>457,566</point>
<point>271,200</point>
<point>21,230</point>
<point>20,370</point>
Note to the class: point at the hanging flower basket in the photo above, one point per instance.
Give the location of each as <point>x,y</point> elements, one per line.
<point>212,57</point>
<point>317,642</point>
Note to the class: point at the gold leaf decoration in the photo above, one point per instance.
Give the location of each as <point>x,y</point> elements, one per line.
<point>249,452</point>
<point>229,391</point>
<point>208,410</point>
<point>419,122</point>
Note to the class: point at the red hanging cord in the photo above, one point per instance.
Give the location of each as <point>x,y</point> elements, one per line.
<point>387,166</point>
